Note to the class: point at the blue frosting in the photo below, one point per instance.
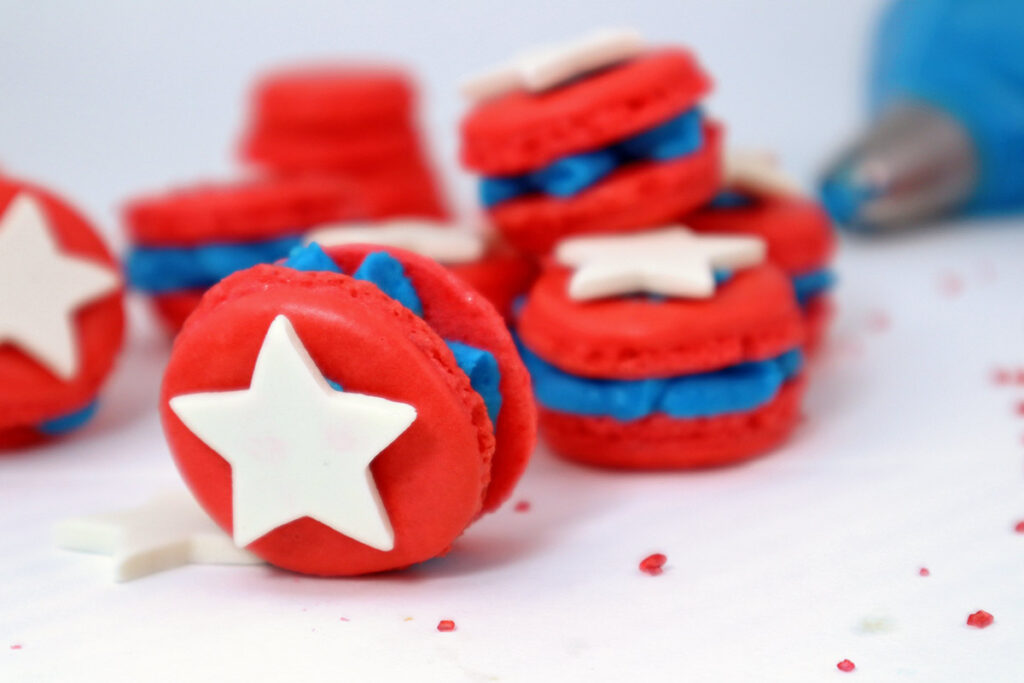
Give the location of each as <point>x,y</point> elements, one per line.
<point>385,271</point>
<point>70,422</point>
<point>731,199</point>
<point>571,175</point>
<point>735,389</point>
<point>311,258</point>
<point>158,270</point>
<point>482,369</point>
<point>809,285</point>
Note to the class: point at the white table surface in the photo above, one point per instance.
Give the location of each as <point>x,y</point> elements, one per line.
<point>910,456</point>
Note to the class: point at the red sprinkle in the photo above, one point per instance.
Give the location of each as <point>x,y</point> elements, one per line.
<point>15,647</point>
<point>980,619</point>
<point>1019,527</point>
<point>445,625</point>
<point>345,619</point>
<point>652,564</point>
<point>522,506</point>
<point>950,284</point>
<point>923,571</point>
<point>846,665</point>
<point>878,321</point>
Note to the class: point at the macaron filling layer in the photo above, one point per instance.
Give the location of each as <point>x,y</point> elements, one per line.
<point>387,273</point>
<point>678,137</point>
<point>68,422</point>
<point>735,389</point>
<point>160,270</point>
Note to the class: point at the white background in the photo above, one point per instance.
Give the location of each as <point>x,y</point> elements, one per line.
<point>910,455</point>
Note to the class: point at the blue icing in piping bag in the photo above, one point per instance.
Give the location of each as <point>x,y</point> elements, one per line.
<point>947,98</point>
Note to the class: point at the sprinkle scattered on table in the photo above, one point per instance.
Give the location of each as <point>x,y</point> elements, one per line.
<point>846,666</point>
<point>652,564</point>
<point>924,571</point>
<point>445,625</point>
<point>522,506</point>
<point>980,619</point>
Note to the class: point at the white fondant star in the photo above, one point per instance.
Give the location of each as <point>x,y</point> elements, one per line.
<point>672,261</point>
<point>41,288</point>
<point>758,172</point>
<point>298,447</point>
<point>442,242</point>
<point>169,531</point>
<point>547,66</point>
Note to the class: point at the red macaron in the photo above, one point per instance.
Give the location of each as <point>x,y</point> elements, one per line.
<point>632,341</point>
<point>451,465</point>
<point>38,396</point>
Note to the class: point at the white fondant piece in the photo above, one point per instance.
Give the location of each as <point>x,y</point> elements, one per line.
<point>168,532</point>
<point>551,65</point>
<point>758,172</point>
<point>41,288</point>
<point>440,241</point>
<point>672,261</point>
<point>298,447</point>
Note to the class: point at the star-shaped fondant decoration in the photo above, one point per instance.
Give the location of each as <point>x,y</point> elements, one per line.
<point>442,242</point>
<point>169,531</point>
<point>297,446</point>
<point>672,261</point>
<point>758,172</point>
<point>41,288</point>
<point>550,65</point>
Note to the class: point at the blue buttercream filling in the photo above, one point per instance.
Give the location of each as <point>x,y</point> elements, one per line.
<point>735,389</point>
<point>730,199</point>
<point>387,273</point>
<point>159,270</point>
<point>70,422</point>
<point>809,285</point>
<point>571,175</point>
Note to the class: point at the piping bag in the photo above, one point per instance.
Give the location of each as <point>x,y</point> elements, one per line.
<point>946,99</point>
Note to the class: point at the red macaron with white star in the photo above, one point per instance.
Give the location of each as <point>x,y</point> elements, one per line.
<point>602,134</point>
<point>61,315</point>
<point>347,411</point>
<point>664,349</point>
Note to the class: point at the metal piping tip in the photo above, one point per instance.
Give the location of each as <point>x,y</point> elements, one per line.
<point>915,164</point>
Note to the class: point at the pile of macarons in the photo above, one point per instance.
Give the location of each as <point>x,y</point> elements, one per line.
<point>680,288</point>
<point>356,377</point>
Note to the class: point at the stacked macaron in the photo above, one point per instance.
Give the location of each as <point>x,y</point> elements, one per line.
<point>347,411</point>
<point>759,199</point>
<point>604,134</point>
<point>663,349</point>
<point>61,315</point>
<point>186,240</point>
<point>354,122</point>
<point>650,345</point>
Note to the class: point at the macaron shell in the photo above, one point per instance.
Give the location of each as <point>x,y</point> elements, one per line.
<point>524,131</point>
<point>458,313</point>
<point>249,210</point>
<point>661,442</point>
<point>29,392</point>
<point>752,316</point>
<point>356,151</point>
<point>331,97</point>
<point>431,478</point>
<point>501,276</point>
<point>633,198</point>
<point>818,315</point>
<point>797,231</point>
<point>173,308</point>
